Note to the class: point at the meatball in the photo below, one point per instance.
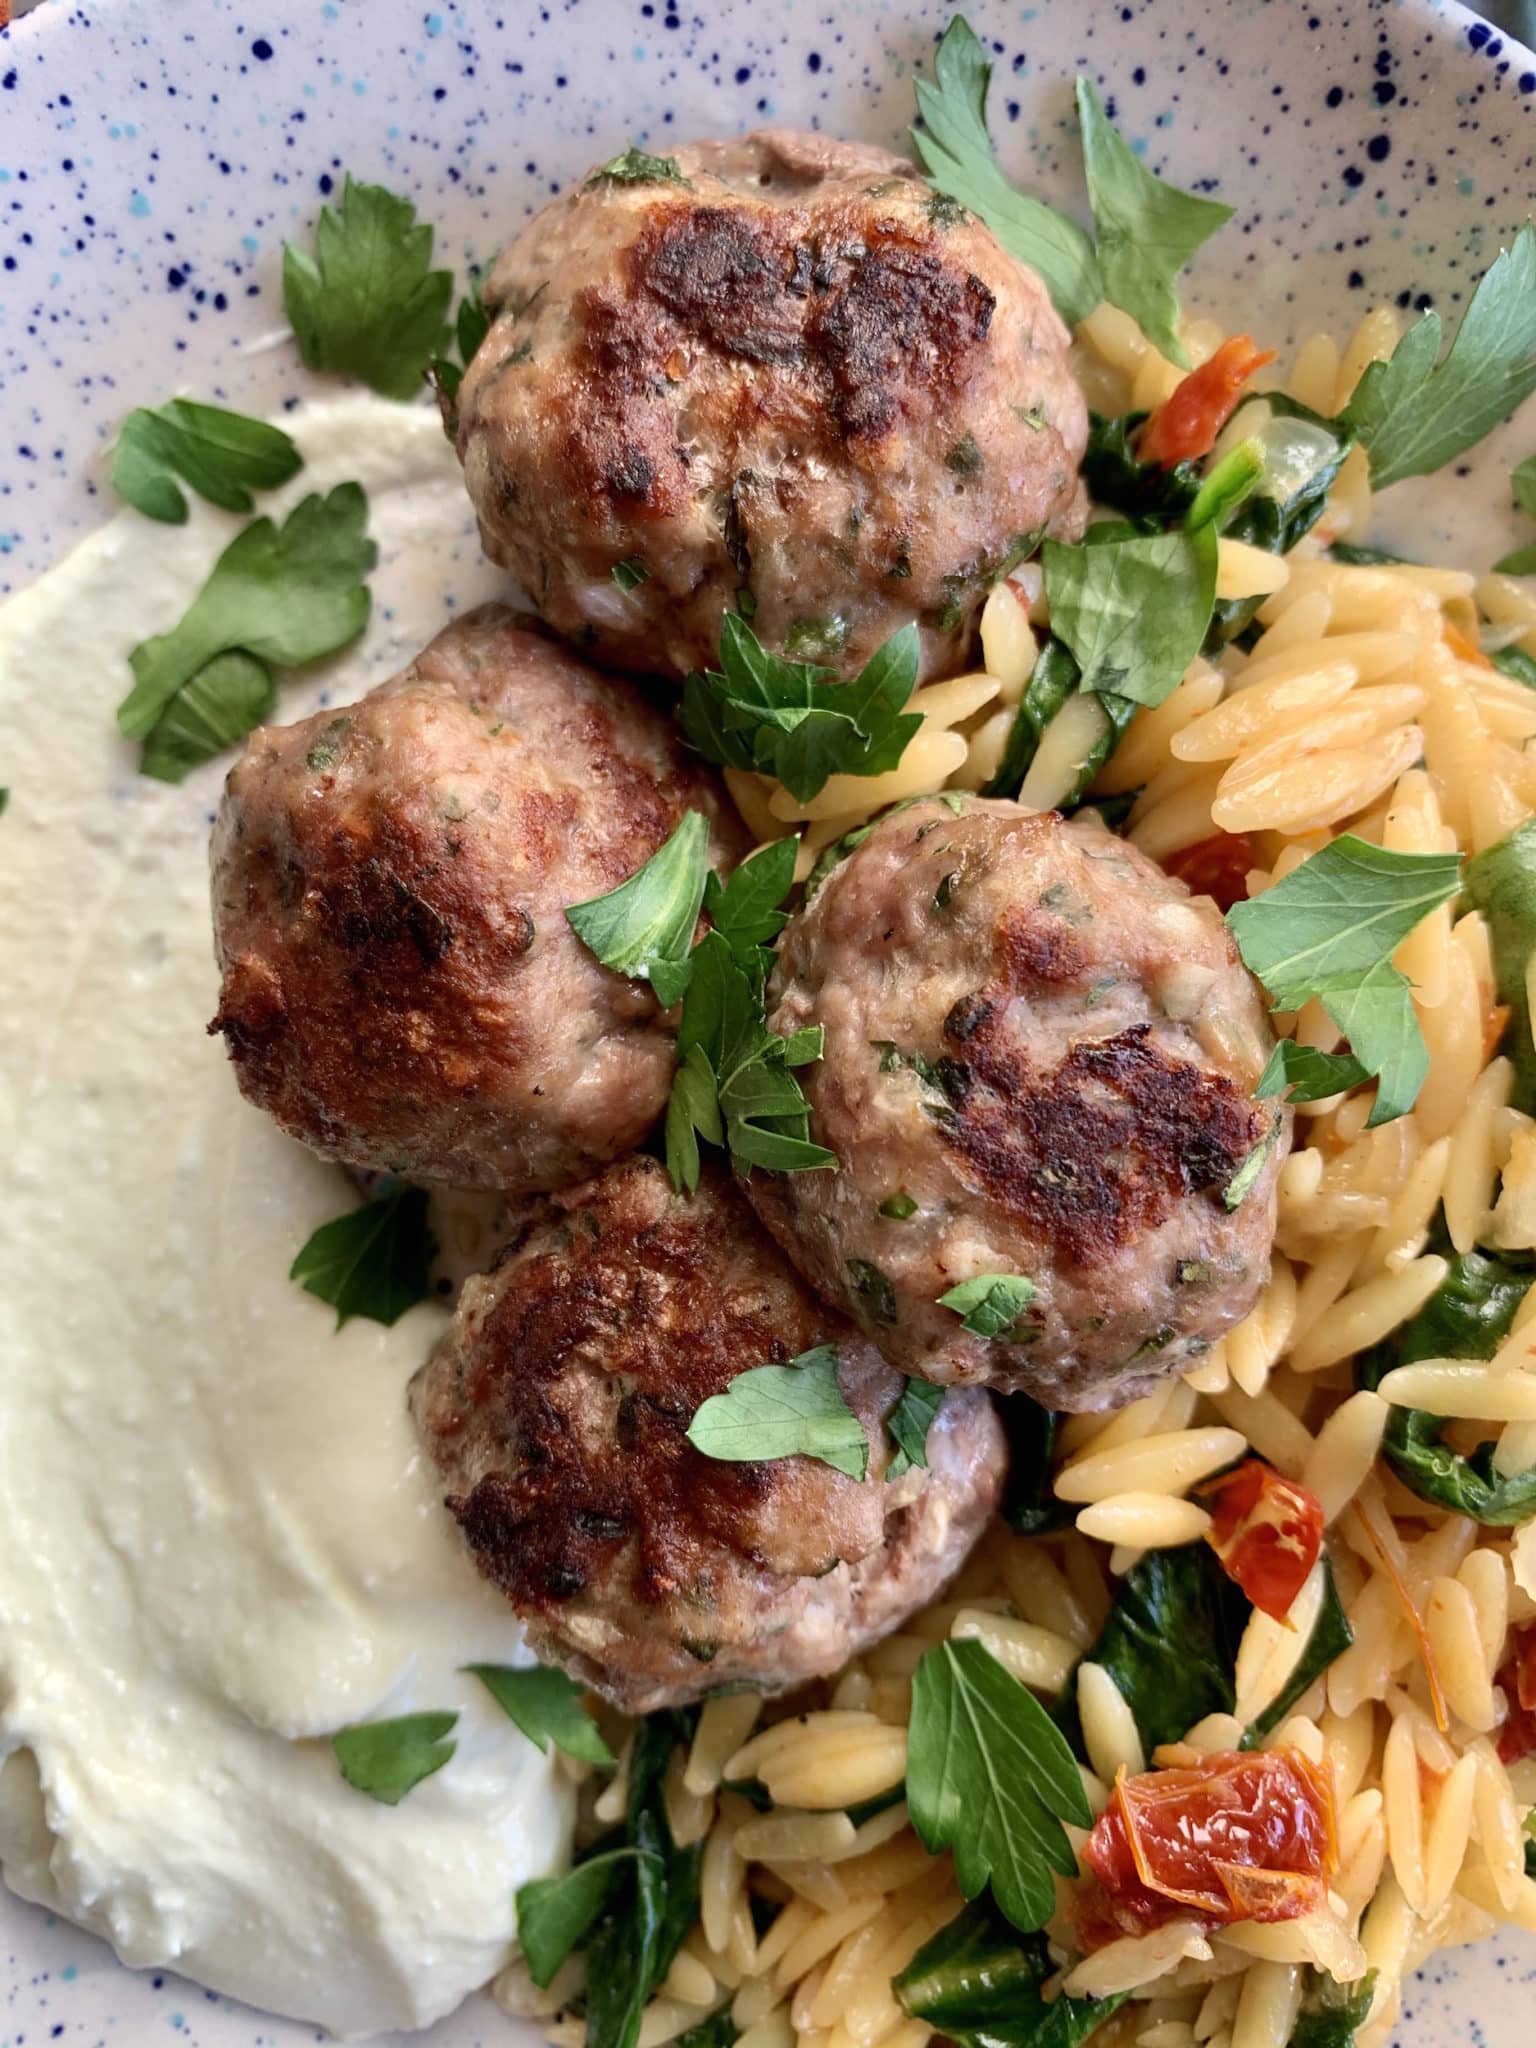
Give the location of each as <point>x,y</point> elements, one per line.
<point>778,365</point>
<point>400,986</point>
<point>557,1410</point>
<point>1040,1058</point>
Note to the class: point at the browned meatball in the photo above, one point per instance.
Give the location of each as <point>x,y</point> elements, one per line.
<point>780,365</point>
<point>557,1408</point>
<point>401,988</point>
<point>1040,1056</point>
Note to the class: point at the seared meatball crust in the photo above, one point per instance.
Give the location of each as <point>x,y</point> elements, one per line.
<point>790,369</point>
<point>1049,1047</point>
<point>557,1409</point>
<point>400,986</point>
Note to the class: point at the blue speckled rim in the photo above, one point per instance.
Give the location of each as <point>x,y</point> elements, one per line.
<point>155,153</point>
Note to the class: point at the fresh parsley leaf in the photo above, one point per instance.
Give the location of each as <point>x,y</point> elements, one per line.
<point>556,1914</point>
<point>1329,931</point>
<point>1333,2013</point>
<point>386,1759</point>
<point>693,1112</point>
<point>1501,883</point>
<point>787,719</point>
<point>1311,1076</point>
<point>222,703</point>
<point>1522,484</point>
<point>909,1423</point>
<point>546,1705</point>
<point>1243,1182</point>
<point>979,1984</point>
<point>631,573</point>
<point>645,927</point>
<point>1147,230</point>
<point>990,1777</point>
<point>637,167</point>
<point>991,1304</point>
<point>471,325</point>
<point>368,304</point>
<point>374,1261</point>
<point>1133,612</point>
<point>898,1208</point>
<point>784,1411</point>
<point>284,594</point>
<point>1415,414</point>
<point>745,909</point>
<point>1519,561</point>
<point>224,456</point>
<point>957,154</point>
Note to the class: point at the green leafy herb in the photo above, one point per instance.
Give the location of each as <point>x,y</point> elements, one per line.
<point>1501,883</point>
<point>873,1296</point>
<point>631,573</point>
<point>1170,1645</point>
<point>1333,2013</point>
<point>1514,661</point>
<point>745,910</point>
<point>991,1304</point>
<point>1468,1316</point>
<point>1242,1183</point>
<point>784,1411</point>
<point>284,595</point>
<point>1415,413</point>
<point>898,1208</point>
<point>645,927</point>
<point>1227,486</point>
<point>652,1903</point>
<point>546,1705</point>
<point>1331,1636</point>
<point>787,719</point>
<point>368,303</point>
<point>1329,931</point>
<point>374,1261</point>
<point>1133,612</point>
<point>990,1777</point>
<point>1530,1847</point>
<point>1311,1076</point>
<point>1029,1499</point>
<point>223,456</point>
<point>556,1914</point>
<point>1147,231</point>
<point>1522,483</point>
<point>957,154</point>
<point>693,1112</point>
<point>1054,679</point>
<point>909,1422</point>
<point>222,703</point>
<point>638,167</point>
<point>979,1984</point>
<point>471,326</point>
<point>386,1759</point>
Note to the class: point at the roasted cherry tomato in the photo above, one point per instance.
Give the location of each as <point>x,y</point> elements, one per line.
<point>1184,427</point>
<point>1246,1836</point>
<point>1517,1738</point>
<point>1216,867</point>
<point>1266,1530</point>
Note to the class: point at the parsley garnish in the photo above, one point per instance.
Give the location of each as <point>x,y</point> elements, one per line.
<point>386,1759</point>
<point>1329,930</point>
<point>1133,611</point>
<point>991,1304</point>
<point>1413,413</point>
<point>224,456</point>
<point>368,304</point>
<point>1147,230</point>
<point>990,1777</point>
<point>631,573</point>
<point>1522,483</point>
<point>784,1411</point>
<point>471,325</point>
<point>789,719</point>
<point>644,928</point>
<point>374,1261</point>
<point>555,1914</point>
<point>546,1705</point>
<point>745,910</point>
<point>1236,1192</point>
<point>909,1423</point>
<point>637,167</point>
<point>279,595</point>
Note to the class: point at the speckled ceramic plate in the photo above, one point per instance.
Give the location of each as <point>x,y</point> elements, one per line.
<point>155,153</point>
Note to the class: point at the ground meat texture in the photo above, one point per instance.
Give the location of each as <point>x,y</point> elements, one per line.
<point>784,367</point>
<point>1040,1057</point>
<point>556,1410</point>
<point>401,988</point>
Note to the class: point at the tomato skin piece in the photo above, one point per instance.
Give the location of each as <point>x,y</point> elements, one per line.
<point>1216,867</point>
<point>1184,427</point>
<point>1517,1738</point>
<point>1267,1531</point>
<point>1248,1835</point>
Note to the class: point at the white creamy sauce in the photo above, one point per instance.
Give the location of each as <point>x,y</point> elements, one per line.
<point>219,1540</point>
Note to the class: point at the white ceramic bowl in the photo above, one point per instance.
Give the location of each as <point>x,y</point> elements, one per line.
<point>154,154</point>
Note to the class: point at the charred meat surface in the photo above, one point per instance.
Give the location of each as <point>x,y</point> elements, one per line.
<point>781,374</point>
<point>1040,1060</point>
<point>557,1408</point>
<point>400,986</point>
